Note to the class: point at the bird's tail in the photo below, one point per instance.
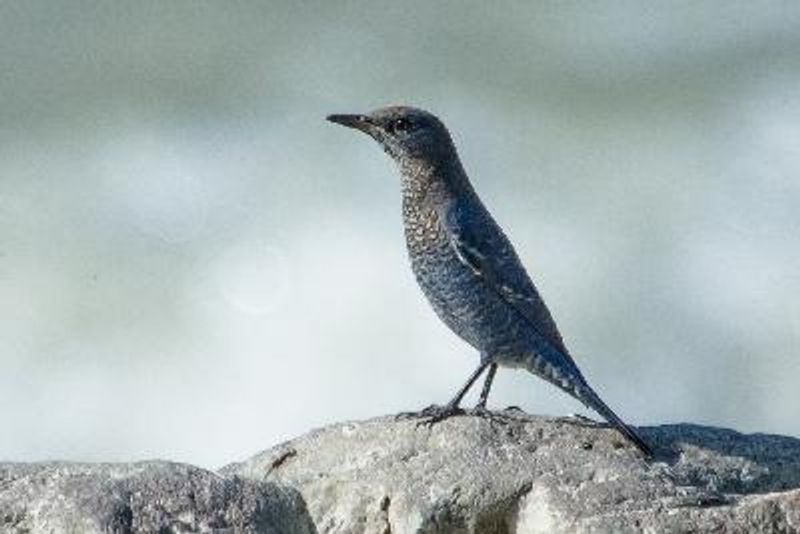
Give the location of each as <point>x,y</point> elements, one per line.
<point>567,376</point>
<point>586,395</point>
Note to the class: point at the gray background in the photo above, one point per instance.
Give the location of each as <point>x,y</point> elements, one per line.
<point>194,265</point>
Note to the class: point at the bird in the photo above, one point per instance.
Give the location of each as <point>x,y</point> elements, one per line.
<point>467,267</point>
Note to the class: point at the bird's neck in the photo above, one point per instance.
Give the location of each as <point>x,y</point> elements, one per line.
<point>427,191</point>
<point>429,184</point>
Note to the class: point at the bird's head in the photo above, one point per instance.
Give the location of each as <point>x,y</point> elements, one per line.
<point>408,135</point>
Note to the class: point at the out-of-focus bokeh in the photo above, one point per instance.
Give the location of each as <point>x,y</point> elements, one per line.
<point>194,265</point>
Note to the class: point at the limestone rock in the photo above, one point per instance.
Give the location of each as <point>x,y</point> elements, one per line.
<point>527,474</point>
<point>142,497</point>
<point>508,474</point>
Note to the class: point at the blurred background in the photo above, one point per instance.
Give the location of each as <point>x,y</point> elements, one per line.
<point>195,266</point>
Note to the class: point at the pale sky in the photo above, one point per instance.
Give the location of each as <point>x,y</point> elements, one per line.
<point>195,266</point>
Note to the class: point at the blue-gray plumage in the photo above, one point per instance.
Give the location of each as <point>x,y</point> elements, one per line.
<point>466,266</point>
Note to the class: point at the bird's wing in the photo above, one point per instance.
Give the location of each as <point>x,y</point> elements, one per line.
<point>482,246</point>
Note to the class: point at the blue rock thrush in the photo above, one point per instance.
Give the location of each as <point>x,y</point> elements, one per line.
<point>467,267</point>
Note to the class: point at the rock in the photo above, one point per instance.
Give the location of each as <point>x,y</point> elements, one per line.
<point>511,473</point>
<point>518,474</point>
<point>142,497</point>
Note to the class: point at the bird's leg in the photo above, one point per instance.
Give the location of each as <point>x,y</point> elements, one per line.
<point>480,409</point>
<point>487,385</point>
<point>440,413</point>
<point>471,380</point>
<point>435,413</point>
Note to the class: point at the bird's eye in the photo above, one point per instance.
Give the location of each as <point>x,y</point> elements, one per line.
<point>400,125</point>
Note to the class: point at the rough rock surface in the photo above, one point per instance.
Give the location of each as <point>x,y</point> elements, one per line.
<point>514,473</point>
<point>527,474</point>
<point>63,497</point>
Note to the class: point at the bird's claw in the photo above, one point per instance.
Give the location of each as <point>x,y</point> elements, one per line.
<point>493,417</point>
<point>432,414</point>
<point>414,415</point>
<point>580,420</point>
<point>480,410</point>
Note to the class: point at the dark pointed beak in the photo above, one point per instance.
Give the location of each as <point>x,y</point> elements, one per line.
<point>359,122</point>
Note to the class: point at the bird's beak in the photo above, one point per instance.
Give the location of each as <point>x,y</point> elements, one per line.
<point>359,122</point>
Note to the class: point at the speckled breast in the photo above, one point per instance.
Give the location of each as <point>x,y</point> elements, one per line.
<point>469,308</point>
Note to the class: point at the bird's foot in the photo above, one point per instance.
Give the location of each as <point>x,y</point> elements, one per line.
<point>580,420</point>
<point>413,415</point>
<point>483,412</point>
<point>432,414</point>
<point>480,409</point>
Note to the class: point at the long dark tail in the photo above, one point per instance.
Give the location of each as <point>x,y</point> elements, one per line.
<point>586,395</point>
<point>567,376</point>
